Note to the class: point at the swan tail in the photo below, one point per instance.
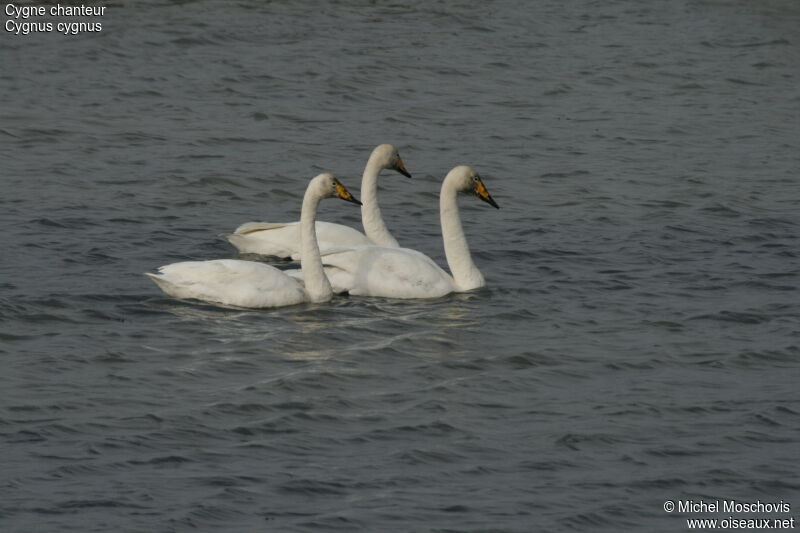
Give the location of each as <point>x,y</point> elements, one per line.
<point>163,283</point>
<point>237,240</point>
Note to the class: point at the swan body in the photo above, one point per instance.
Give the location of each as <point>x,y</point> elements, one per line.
<point>282,239</point>
<point>249,284</point>
<point>230,282</point>
<point>404,273</point>
<point>387,272</point>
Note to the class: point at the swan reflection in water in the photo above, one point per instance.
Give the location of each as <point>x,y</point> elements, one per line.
<point>341,329</point>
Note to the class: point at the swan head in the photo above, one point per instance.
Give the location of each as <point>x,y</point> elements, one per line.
<point>329,187</point>
<point>387,157</point>
<point>466,179</point>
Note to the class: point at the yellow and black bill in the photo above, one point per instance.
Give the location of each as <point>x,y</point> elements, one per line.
<point>344,194</point>
<point>483,194</point>
<point>401,167</point>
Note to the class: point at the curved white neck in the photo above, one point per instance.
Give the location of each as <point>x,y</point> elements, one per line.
<point>371,218</point>
<point>317,285</point>
<point>465,274</point>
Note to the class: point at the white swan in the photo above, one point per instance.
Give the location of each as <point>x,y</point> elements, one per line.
<point>249,284</point>
<point>282,239</point>
<point>404,273</point>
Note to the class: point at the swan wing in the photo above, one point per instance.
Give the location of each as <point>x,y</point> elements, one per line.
<point>266,238</point>
<point>250,227</point>
<point>283,239</point>
<point>388,272</point>
<point>230,282</point>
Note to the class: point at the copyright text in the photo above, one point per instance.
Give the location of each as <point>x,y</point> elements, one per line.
<point>730,508</point>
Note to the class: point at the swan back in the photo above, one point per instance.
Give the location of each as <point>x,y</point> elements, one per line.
<point>387,272</point>
<point>230,282</point>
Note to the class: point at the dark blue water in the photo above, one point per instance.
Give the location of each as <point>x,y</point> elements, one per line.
<point>638,341</point>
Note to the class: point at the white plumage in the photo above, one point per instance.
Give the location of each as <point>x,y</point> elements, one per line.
<point>283,239</point>
<point>249,284</point>
<point>405,273</point>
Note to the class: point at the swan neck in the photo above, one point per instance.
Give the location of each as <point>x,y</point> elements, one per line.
<point>317,285</point>
<point>371,218</point>
<point>465,274</point>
